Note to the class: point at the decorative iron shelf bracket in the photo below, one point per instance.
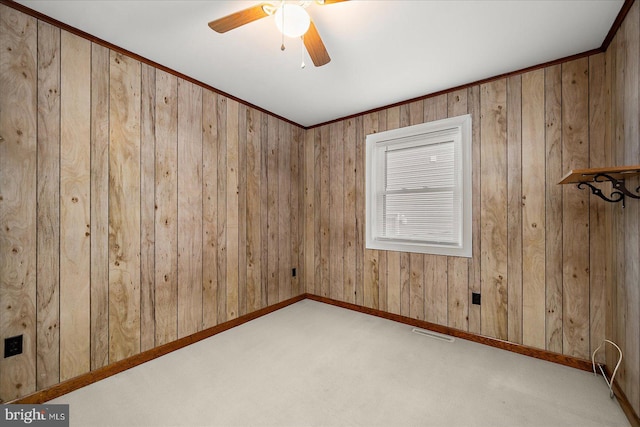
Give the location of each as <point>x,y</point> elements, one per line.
<point>585,178</point>
<point>617,195</point>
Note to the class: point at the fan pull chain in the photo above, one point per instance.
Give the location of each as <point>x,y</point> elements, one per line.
<point>302,52</point>
<point>282,33</point>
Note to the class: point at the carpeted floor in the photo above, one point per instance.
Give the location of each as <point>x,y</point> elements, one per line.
<point>312,364</point>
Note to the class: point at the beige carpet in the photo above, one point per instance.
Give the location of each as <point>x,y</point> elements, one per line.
<point>312,364</point>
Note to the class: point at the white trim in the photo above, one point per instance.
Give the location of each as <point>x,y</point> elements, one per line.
<point>460,128</point>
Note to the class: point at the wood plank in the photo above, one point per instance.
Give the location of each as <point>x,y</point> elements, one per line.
<point>147,207</point>
<point>124,207</point>
<point>232,210</point>
<point>370,257</point>
<point>75,188</point>
<point>100,59</point>
<point>18,192</point>
<point>272,213</point>
<point>515,201</point>
<point>632,212</point>
<point>360,208</point>
<point>336,210</point>
<point>458,300</point>
<point>405,259</point>
<point>351,169</point>
<point>493,191</point>
<point>254,211</point>
<point>475,312</point>
<point>166,217</point>
<point>416,287</point>
<point>457,268</point>
<point>221,119</point>
<point>599,248</point>
<point>284,211</point>
<point>325,194</point>
<point>264,208</point>
<point>242,209</point>
<point>317,200</point>
<point>48,208</point>
<point>189,208</point>
<point>297,197</point>
<point>553,207</point>
<point>435,282</point>
<point>575,248</point>
<point>210,209</point>
<point>533,211</point>
<point>309,211</point>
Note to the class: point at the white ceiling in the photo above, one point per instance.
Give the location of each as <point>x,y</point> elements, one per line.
<point>382,52</point>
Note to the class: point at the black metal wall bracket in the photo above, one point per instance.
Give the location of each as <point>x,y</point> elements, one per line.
<point>618,192</point>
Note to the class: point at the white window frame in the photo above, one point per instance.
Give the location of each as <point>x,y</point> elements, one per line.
<point>456,128</point>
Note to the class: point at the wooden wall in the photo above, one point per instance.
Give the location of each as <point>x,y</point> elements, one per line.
<point>623,296</point>
<point>538,248</point>
<point>135,206</point>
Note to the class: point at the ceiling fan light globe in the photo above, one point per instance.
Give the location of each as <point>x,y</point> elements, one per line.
<point>296,20</point>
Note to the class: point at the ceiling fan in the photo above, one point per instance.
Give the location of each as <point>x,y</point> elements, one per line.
<point>292,20</point>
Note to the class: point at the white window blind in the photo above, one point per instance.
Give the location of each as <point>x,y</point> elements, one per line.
<point>416,190</point>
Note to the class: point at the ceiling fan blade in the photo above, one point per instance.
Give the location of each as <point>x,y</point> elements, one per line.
<point>315,46</point>
<point>239,19</point>
<point>324,2</point>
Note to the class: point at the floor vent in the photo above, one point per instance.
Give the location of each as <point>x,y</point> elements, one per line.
<point>433,335</point>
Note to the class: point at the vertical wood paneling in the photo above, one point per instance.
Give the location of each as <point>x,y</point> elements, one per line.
<point>336,210</point>
<point>189,208</point>
<point>493,217</point>
<point>533,211</point>
<point>18,148</point>
<point>140,175</point>
<point>351,170</point>
<point>553,207</point>
<point>221,119</point>
<point>457,267</point>
<point>370,258</point>
<point>264,208</point>
<point>283,229</point>
<point>632,215</point>
<point>147,207</point>
<point>75,187</point>
<point>599,248</point>
<point>232,210</point>
<point>272,214</point>
<point>317,198</point>
<point>48,207</point>
<point>394,279</point>
<point>325,238</point>
<point>166,215</point>
<point>309,211</point>
<point>210,209</point>
<point>515,202</point>
<point>242,209</point>
<point>475,311</point>
<point>254,212</point>
<point>575,155</point>
<point>360,208</point>
<point>575,211</point>
<point>100,63</point>
<point>297,200</point>
<point>124,207</point>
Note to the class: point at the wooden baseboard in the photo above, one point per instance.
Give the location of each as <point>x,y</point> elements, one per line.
<point>138,359</point>
<point>628,410</point>
<point>117,367</point>
<point>573,362</point>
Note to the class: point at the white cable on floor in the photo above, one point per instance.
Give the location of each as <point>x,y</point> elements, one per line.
<point>593,362</point>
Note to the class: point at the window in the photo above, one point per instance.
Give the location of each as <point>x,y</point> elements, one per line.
<point>418,191</point>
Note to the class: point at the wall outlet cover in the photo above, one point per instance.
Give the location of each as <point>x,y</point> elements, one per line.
<point>12,346</point>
